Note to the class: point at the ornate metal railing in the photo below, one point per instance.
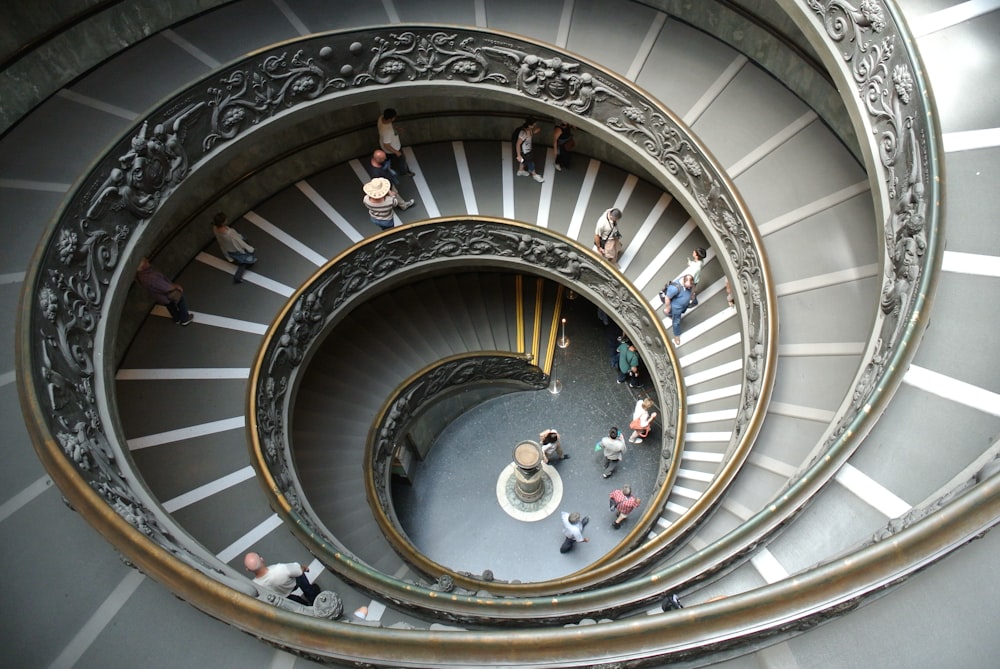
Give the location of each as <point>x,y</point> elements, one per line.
<point>75,282</point>
<point>80,275</point>
<point>386,260</point>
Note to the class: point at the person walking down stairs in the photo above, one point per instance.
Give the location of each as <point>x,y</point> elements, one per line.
<point>523,149</point>
<point>623,502</point>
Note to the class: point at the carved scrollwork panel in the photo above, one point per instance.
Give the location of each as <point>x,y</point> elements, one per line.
<point>872,48</point>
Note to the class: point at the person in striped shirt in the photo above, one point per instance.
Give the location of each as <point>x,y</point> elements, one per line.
<point>380,200</point>
<point>624,503</point>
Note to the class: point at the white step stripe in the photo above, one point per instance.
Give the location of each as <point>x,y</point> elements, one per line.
<point>292,243</point>
<point>96,104</point>
<point>8,378</point>
<point>971,263</point>
<point>249,277</point>
<point>507,178</point>
<point>715,90</point>
<point>741,511</point>
<point>970,140</point>
<point>691,380</point>
<point>694,475</point>
<point>293,19</point>
<point>676,509</point>
<point>565,21</point>
<point>646,46</point>
<point>813,208</point>
<point>770,145</point>
<point>686,493</point>
<point>951,16</point>
<point>96,624</point>
<point>201,318</point>
<point>800,411</point>
<point>545,198</point>
<point>768,566</point>
<point>183,373</point>
<point>701,456</point>
<point>706,326</point>
<point>871,492</point>
<point>327,209</point>
<point>465,178</point>
<point>209,489</point>
<point>711,416</point>
<point>707,437</point>
<point>625,194</point>
<point>21,499</point>
<point>390,11</point>
<point>375,611</point>
<point>191,49</point>
<point>28,184</point>
<point>770,464</point>
<point>246,542</point>
<point>657,263</point>
<point>423,189</point>
<point>712,395</point>
<point>710,350</point>
<point>11,278</point>
<point>582,202</point>
<point>190,432</point>
<point>645,230</point>
<point>821,349</point>
<point>827,280</point>
<point>953,389</point>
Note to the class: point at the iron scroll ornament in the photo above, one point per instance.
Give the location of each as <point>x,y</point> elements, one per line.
<point>85,258</point>
<point>385,260</point>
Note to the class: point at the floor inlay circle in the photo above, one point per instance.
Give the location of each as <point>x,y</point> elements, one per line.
<point>529,512</point>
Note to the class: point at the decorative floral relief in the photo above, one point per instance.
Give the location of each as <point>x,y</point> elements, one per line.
<point>886,84</point>
<point>132,183</point>
<point>407,247</point>
<point>247,97</point>
<point>436,55</point>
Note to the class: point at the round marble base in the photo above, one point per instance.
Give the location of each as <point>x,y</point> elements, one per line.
<point>529,511</point>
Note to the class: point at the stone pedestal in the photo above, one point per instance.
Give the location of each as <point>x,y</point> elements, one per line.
<point>528,479</point>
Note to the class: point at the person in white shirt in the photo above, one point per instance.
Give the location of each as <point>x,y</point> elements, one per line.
<point>282,578</point>
<point>572,528</point>
<point>607,237</point>
<point>695,263</point>
<point>523,150</point>
<point>234,246</point>
<point>551,446</point>
<point>388,137</point>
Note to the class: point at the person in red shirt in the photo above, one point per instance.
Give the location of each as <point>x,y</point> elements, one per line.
<point>624,503</point>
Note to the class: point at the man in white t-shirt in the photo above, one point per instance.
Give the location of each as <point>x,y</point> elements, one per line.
<point>572,528</point>
<point>607,237</point>
<point>388,138</point>
<point>282,578</point>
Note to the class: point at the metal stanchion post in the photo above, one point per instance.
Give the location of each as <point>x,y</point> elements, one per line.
<point>563,340</point>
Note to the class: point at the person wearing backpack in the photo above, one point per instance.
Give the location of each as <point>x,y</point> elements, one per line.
<point>676,300</point>
<point>607,236</point>
<point>523,142</point>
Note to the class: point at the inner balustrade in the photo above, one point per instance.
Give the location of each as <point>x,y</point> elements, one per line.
<point>776,227</point>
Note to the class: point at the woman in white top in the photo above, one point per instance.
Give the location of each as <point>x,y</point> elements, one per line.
<point>695,263</point>
<point>641,420</point>
<point>388,138</point>
<point>234,246</point>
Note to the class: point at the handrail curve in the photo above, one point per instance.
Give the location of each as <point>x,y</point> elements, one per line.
<point>66,301</point>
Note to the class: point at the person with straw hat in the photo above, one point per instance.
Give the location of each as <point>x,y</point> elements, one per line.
<point>380,200</point>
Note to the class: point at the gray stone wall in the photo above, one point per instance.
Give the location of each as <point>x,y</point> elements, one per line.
<point>65,38</point>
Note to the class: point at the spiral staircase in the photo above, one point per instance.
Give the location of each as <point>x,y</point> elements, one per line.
<point>817,516</point>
